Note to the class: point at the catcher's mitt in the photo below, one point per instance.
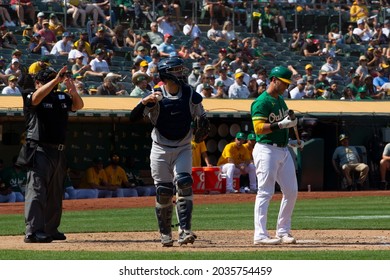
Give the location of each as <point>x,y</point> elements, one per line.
<point>201,128</point>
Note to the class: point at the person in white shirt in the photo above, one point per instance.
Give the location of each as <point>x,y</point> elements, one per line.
<point>386,28</point>
<point>64,46</point>
<point>363,31</point>
<point>167,26</point>
<point>12,88</point>
<point>238,89</point>
<point>225,79</point>
<point>334,71</point>
<point>98,64</point>
<point>191,28</point>
<point>299,92</point>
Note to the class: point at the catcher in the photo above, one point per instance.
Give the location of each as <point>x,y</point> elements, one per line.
<point>172,109</point>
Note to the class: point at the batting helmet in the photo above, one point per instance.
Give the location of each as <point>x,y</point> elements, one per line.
<point>172,69</point>
<point>282,73</point>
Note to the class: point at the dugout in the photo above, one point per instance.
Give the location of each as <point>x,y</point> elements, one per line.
<point>103,126</point>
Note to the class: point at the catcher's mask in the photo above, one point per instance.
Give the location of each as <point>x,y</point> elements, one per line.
<point>172,69</point>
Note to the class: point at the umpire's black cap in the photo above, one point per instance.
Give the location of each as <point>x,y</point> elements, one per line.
<point>46,75</point>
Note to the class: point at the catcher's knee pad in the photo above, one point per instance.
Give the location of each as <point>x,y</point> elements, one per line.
<point>164,193</point>
<point>183,183</point>
<point>184,212</point>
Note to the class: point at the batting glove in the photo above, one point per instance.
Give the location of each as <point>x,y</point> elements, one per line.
<point>287,123</point>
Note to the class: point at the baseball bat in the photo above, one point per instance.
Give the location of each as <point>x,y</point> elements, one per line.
<point>293,117</point>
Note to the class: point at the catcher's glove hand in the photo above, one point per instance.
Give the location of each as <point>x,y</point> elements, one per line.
<point>201,128</point>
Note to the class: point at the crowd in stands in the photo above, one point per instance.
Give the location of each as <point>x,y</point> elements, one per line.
<point>106,57</point>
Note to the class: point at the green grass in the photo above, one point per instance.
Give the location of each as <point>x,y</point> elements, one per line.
<point>339,213</point>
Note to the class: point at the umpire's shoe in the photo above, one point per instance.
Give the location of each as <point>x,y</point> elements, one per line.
<point>58,236</point>
<point>38,237</point>
<point>166,240</point>
<point>186,237</point>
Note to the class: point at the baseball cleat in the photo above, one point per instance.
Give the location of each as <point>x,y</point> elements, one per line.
<point>287,239</point>
<point>186,237</point>
<point>166,240</point>
<point>268,241</point>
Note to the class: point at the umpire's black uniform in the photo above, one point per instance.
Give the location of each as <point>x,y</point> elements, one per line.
<point>45,158</point>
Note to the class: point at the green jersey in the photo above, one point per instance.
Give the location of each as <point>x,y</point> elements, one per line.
<point>270,110</point>
<point>15,179</point>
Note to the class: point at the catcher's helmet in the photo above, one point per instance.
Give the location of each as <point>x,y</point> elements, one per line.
<point>282,73</point>
<point>46,75</point>
<point>172,69</point>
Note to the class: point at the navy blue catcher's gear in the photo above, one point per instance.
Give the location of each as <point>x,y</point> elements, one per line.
<point>172,69</point>
<point>183,183</point>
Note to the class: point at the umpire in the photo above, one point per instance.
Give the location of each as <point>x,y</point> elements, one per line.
<point>46,115</point>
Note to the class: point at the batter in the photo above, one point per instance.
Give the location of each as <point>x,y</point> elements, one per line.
<point>171,110</point>
<point>272,158</point>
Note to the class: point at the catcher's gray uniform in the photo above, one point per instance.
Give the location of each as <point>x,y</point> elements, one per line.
<point>171,157</point>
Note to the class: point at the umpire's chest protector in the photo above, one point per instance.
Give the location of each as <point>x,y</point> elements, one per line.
<point>174,120</point>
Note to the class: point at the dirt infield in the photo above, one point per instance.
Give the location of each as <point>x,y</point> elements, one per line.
<point>207,240</point>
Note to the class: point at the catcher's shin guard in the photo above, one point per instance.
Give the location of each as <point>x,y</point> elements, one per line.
<point>184,202</point>
<point>164,207</point>
<point>184,212</point>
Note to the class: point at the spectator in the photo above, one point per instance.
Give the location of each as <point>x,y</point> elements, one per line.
<point>130,38</point>
<point>358,11</point>
<point>355,83</point>
<point>220,92</point>
<point>363,31</point>
<point>311,47</point>
<point>140,80</point>
<point>320,91</point>
<point>228,32</point>
<point>333,90</point>
<point>322,78</point>
<point>236,160</point>
<point>238,89</point>
<point>215,7</point>
<point>308,72</point>
<point>334,71</point>
<point>194,77</point>
<point>6,194</point>
<point>101,40</point>
<point>99,64</point>
<point>296,41</point>
<point>362,69</point>
<point>207,91</point>
<point>167,26</point>
<point>23,9</point>
<point>7,38</point>
<point>207,79</point>
<point>191,28</point>
<point>82,69</point>
<point>378,36</point>
<point>299,92</point>
<point>372,91</point>
<point>48,35</point>
<point>96,178</point>
<point>12,88</point>
<point>77,52</point>
<point>119,39</point>
<point>142,55</point>
<point>232,50</point>
<point>346,159</point>
<point>5,16</point>
<point>143,42</point>
<point>335,34</point>
<point>267,23</point>
<point>117,179</point>
<point>63,46</point>
<point>351,38</point>
<point>155,36</point>
<point>27,34</point>
<point>227,81</point>
<point>109,88</point>
<point>55,25</point>
<point>362,94</point>
<point>83,37</point>
<point>382,76</point>
<point>14,69</point>
<point>167,49</point>
<point>384,166</point>
<point>196,49</point>
<point>37,66</point>
<point>214,34</point>
<point>38,45</point>
<point>386,29</point>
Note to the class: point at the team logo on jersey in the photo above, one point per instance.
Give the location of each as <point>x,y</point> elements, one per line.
<point>277,117</point>
<point>61,97</point>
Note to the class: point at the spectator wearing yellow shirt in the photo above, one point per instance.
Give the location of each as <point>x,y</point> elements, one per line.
<point>95,178</point>
<point>199,152</point>
<point>55,25</point>
<point>37,66</point>
<point>236,160</point>
<point>117,178</point>
<point>358,10</point>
